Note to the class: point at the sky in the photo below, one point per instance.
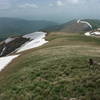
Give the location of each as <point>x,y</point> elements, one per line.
<point>53,10</point>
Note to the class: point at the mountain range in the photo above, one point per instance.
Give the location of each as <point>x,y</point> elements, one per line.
<point>16,26</point>
<point>71,27</point>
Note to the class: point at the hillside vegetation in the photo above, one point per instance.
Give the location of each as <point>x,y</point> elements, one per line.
<point>59,70</point>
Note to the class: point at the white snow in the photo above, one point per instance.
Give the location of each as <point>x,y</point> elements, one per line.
<point>3,51</point>
<point>85,22</point>
<point>78,21</point>
<point>9,40</point>
<point>87,34</point>
<point>35,35</point>
<point>96,33</point>
<point>37,39</point>
<point>92,33</point>
<point>4,61</point>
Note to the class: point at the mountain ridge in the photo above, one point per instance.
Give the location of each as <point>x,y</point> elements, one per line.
<point>22,26</point>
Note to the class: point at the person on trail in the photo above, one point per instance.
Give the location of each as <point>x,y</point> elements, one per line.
<point>91,63</point>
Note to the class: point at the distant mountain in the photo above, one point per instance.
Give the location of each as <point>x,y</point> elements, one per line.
<point>74,26</point>
<point>14,26</point>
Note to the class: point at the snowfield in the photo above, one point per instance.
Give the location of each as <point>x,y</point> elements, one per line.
<point>36,40</point>
<point>35,35</point>
<point>4,61</point>
<point>84,22</point>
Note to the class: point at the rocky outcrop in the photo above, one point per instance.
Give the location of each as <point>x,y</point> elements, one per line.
<point>11,44</point>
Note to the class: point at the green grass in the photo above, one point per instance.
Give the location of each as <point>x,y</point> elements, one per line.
<point>58,70</point>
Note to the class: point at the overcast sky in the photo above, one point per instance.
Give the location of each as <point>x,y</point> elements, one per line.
<point>56,10</point>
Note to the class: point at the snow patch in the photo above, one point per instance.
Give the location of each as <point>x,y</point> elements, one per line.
<point>85,22</point>
<point>78,21</point>
<point>37,39</point>
<point>96,33</point>
<point>3,51</point>
<point>35,35</point>
<point>87,34</point>
<point>9,40</point>
<point>4,61</point>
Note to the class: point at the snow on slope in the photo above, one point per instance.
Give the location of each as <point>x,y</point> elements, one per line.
<point>36,40</point>
<point>9,40</point>
<point>35,35</point>
<point>87,34</point>
<point>4,61</point>
<point>3,51</point>
<point>84,22</point>
<point>96,33</point>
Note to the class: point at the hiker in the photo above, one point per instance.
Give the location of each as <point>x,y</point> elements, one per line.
<point>91,63</point>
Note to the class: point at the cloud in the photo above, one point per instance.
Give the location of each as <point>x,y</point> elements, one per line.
<point>82,1</point>
<point>64,2</point>
<point>75,1</point>
<point>59,3</point>
<point>28,5</point>
<point>5,4</point>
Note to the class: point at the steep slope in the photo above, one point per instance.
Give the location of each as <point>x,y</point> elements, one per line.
<point>59,70</point>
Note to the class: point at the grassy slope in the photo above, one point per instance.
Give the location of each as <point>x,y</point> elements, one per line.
<point>58,70</point>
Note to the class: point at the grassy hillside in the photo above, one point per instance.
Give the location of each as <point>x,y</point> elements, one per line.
<point>58,70</point>
<point>70,27</point>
